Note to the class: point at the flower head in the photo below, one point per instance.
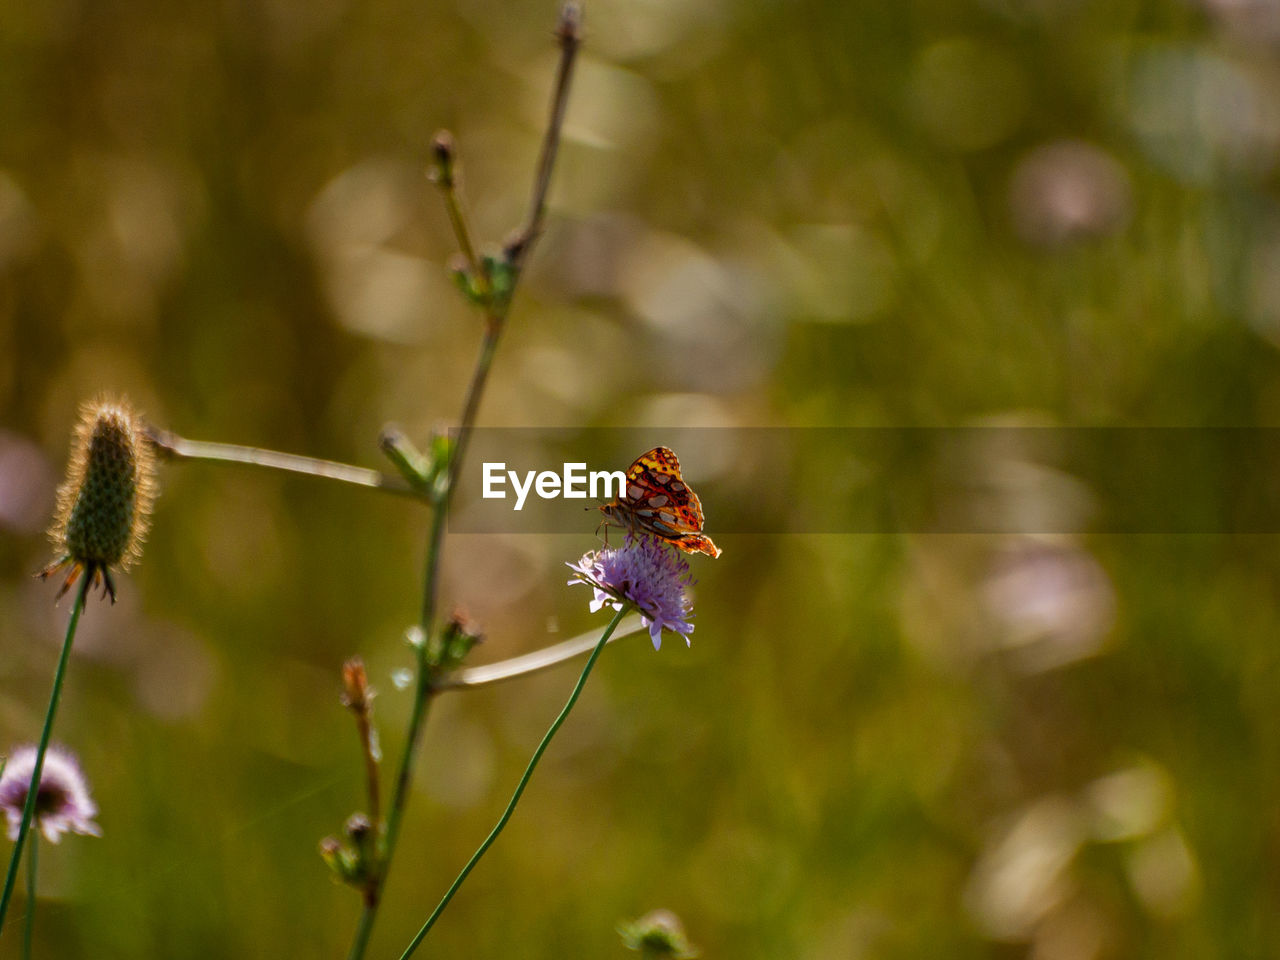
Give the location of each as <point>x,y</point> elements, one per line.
<point>62,800</point>
<point>104,505</point>
<point>646,573</point>
<point>657,934</point>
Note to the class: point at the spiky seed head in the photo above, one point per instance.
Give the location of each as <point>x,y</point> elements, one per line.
<point>104,505</point>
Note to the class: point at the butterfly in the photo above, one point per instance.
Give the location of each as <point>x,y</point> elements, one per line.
<point>658,501</point>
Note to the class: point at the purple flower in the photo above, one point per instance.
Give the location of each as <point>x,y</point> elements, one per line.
<point>646,573</point>
<point>62,801</point>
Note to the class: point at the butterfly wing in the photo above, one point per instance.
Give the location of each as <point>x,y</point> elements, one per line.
<point>658,498</point>
<point>696,543</point>
<point>658,501</point>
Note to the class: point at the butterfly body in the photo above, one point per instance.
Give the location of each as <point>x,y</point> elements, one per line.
<point>656,500</point>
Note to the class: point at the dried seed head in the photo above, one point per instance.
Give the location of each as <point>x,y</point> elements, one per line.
<point>104,505</point>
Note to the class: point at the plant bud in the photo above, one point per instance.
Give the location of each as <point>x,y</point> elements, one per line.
<point>657,934</point>
<point>104,505</point>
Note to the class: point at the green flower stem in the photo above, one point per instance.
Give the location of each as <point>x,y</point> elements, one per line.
<point>424,688</point>
<point>28,810</point>
<point>494,324</point>
<point>29,925</point>
<point>364,928</point>
<point>458,219</point>
<point>569,35</point>
<point>524,782</point>
<point>479,377</point>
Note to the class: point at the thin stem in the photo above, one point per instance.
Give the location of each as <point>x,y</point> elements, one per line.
<point>534,662</point>
<point>524,782</point>
<point>364,929</point>
<point>30,924</point>
<point>569,33</point>
<point>404,772</point>
<point>358,698</point>
<point>370,769</point>
<point>171,445</point>
<point>470,408</point>
<point>431,585</point>
<point>458,218</point>
<point>33,790</point>
<point>404,775</point>
<point>444,173</point>
<point>568,30</point>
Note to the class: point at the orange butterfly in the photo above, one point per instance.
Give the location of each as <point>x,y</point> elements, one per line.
<point>658,501</point>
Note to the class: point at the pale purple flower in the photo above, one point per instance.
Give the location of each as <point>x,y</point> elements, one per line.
<point>646,573</point>
<point>62,801</point>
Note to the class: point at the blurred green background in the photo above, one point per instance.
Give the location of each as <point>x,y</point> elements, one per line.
<point>786,214</point>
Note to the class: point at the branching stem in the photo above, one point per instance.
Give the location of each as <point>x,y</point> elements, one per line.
<point>524,782</point>
<point>517,251</point>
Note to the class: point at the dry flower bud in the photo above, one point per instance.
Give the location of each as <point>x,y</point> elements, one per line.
<point>104,506</point>
<point>355,685</point>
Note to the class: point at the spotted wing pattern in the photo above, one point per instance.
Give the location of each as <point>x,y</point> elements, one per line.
<point>658,501</point>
